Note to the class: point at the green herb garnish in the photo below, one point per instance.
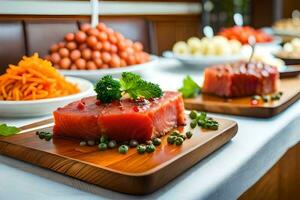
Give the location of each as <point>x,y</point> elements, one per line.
<point>190,88</point>
<point>6,130</point>
<point>109,89</point>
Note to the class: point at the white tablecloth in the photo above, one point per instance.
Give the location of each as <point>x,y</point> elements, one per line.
<point>225,174</point>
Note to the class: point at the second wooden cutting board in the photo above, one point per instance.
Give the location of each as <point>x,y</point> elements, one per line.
<point>242,106</point>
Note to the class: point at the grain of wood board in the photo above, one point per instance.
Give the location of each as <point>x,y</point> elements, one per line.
<point>130,173</point>
<point>242,106</point>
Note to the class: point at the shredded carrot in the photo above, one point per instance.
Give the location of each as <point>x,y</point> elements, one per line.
<point>34,78</point>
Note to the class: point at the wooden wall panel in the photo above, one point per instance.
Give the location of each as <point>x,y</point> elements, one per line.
<point>281,182</point>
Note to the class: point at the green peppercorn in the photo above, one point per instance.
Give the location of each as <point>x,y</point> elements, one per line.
<point>112,144</point>
<point>150,148</point>
<point>141,149</point>
<point>275,97</point>
<point>37,133</point>
<point>156,141</point>
<point>123,149</point>
<point>266,98</point>
<point>82,143</point>
<point>189,134</point>
<point>182,136</point>
<point>175,133</point>
<point>280,93</point>
<point>133,143</point>
<point>91,142</point>
<point>193,124</point>
<point>193,114</point>
<point>179,141</point>
<point>104,139</point>
<point>42,135</point>
<point>48,137</point>
<point>171,139</point>
<point>256,97</point>
<point>102,146</point>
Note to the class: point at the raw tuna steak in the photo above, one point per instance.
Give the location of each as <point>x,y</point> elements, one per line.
<point>123,120</point>
<point>240,79</point>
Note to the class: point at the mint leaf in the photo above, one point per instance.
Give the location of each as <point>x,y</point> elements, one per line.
<point>190,88</point>
<point>8,130</point>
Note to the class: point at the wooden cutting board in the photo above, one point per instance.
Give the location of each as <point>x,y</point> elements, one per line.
<point>242,106</point>
<point>130,173</point>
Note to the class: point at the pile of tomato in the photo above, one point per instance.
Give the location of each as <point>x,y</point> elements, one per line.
<point>96,48</point>
<point>242,33</point>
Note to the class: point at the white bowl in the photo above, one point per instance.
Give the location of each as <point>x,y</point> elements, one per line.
<point>95,75</point>
<point>34,108</point>
<point>204,61</point>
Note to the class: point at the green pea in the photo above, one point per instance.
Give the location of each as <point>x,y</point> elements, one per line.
<point>175,133</point>
<point>91,142</point>
<point>102,146</point>
<point>189,134</point>
<point>193,114</point>
<point>133,143</point>
<point>48,137</point>
<point>141,149</point>
<point>123,149</point>
<point>104,139</point>
<point>193,124</point>
<point>112,144</point>
<point>182,136</point>
<point>150,148</point>
<point>179,141</point>
<point>42,135</point>
<point>256,97</point>
<point>156,141</point>
<point>171,139</point>
<point>265,98</point>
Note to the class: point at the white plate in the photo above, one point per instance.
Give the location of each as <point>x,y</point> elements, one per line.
<point>95,75</point>
<point>204,61</point>
<point>34,108</point>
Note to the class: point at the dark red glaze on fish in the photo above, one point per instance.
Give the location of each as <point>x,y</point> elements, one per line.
<point>119,120</point>
<point>241,79</point>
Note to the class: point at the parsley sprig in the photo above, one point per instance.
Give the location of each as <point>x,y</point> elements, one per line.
<point>109,89</point>
<point>190,88</point>
<point>6,130</point>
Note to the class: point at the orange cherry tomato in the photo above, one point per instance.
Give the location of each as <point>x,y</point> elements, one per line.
<point>106,46</point>
<point>85,27</point>
<point>55,58</point>
<point>75,54</point>
<point>137,46</point>
<point>63,52</point>
<point>71,45</point>
<point>80,36</point>
<point>102,36</point>
<point>106,57</point>
<point>86,54</point>
<point>101,27</point>
<point>54,48</point>
<point>91,65</point>
<point>80,63</point>
<point>65,63</point>
<point>69,37</point>
<point>91,41</point>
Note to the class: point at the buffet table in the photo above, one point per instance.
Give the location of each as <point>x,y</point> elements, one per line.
<point>225,174</point>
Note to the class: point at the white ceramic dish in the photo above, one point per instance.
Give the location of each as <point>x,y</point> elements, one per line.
<point>95,75</point>
<point>204,61</point>
<point>34,108</point>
